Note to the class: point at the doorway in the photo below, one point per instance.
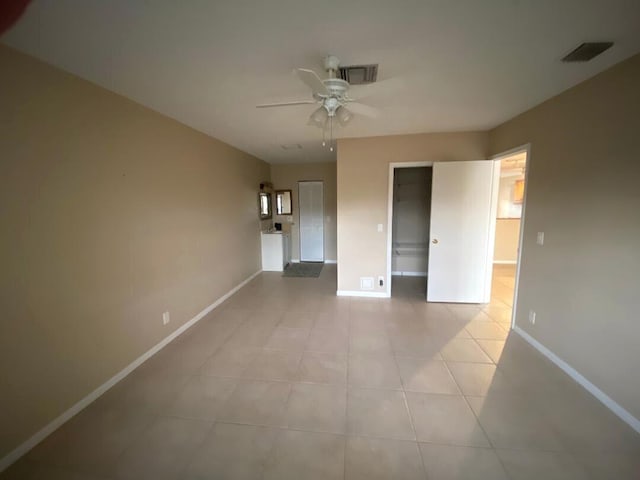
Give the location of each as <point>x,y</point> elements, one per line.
<point>311,204</point>
<point>461,227</point>
<point>410,230</point>
<point>514,167</point>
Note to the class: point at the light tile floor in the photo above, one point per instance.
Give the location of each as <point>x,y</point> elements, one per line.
<point>287,381</point>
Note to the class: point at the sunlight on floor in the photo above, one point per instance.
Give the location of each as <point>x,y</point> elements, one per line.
<point>286,380</point>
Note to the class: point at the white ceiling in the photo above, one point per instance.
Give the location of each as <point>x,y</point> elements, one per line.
<point>462,65</point>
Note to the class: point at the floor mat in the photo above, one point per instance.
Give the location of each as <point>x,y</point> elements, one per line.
<point>303,270</point>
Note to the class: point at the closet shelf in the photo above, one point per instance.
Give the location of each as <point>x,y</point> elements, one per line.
<point>413,249</point>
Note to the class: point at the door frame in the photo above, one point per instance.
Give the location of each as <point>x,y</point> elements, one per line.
<point>300,220</point>
<point>392,168</point>
<point>508,153</point>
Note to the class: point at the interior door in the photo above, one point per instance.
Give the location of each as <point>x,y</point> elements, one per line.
<point>464,202</point>
<point>310,199</point>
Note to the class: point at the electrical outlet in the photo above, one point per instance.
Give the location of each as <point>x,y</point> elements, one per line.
<point>165,318</point>
<point>532,317</point>
<point>381,281</point>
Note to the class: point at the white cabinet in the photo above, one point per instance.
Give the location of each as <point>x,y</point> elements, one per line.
<point>276,251</point>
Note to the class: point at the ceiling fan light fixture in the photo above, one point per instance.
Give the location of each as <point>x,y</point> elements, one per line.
<point>344,115</point>
<point>319,117</point>
<point>331,96</point>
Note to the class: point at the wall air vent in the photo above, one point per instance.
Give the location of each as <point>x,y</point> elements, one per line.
<point>587,51</point>
<point>359,74</point>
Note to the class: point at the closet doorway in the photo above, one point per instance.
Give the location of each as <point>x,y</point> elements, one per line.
<point>410,229</point>
<point>459,221</point>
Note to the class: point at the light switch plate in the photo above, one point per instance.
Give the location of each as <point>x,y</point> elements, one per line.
<point>380,227</point>
<point>540,238</point>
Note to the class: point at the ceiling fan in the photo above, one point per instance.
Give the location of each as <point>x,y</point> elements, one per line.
<point>332,96</point>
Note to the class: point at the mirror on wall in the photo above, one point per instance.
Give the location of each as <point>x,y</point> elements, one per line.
<point>264,205</point>
<point>283,202</point>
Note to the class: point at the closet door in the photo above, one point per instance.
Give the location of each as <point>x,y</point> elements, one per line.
<point>310,199</point>
<point>464,200</point>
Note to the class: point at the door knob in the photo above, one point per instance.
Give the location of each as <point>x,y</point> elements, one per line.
<point>434,241</point>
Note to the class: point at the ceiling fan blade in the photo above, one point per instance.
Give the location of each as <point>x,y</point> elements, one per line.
<point>312,80</point>
<point>286,104</point>
<point>364,110</point>
<point>383,87</point>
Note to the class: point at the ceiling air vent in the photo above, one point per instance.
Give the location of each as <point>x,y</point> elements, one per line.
<point>359,74</point>
<point>291,146</point>
<point>587,51</point>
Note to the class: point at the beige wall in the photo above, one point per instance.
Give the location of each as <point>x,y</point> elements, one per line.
<point>111,214</point>
<point>286,177</point>
<point>363,184</point>
<point>584,193</point>
<point>507,237</point>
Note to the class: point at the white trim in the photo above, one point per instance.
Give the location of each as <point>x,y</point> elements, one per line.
<point>297,260</point>
<point>44,432</point>
<point>392,167</point>
<point>321,182</point>
<point>512,151</point>
<point>491,234</point>
<point>358,293</point>
<point>409,274</point>
<point>606,400</point>
<point>522,148</point>
<point>505,262</point>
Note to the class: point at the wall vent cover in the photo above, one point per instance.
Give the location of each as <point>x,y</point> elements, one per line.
<point>587,51</point>
<point>359,74</point>
<point>366,283</point>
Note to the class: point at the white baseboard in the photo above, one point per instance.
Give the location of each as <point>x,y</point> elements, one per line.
<point>409,274</point>
<point>360,293</point>
<point>607,401</point>
<point>505,262</point>
<point>27,445</point>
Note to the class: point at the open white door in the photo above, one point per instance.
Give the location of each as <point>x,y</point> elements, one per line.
<point>310,201</point>
<point>463,218</point>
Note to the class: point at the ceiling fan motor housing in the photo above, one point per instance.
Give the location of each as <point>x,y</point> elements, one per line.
<point>336,87</point>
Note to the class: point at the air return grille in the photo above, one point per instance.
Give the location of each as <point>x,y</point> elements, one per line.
<point>359,74</point>
<point>587,51</point>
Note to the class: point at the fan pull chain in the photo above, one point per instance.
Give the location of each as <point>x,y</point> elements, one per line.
<point>324,134</point>
<point>331,137</point>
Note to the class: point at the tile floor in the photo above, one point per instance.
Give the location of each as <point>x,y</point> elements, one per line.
<point>287,381</point>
